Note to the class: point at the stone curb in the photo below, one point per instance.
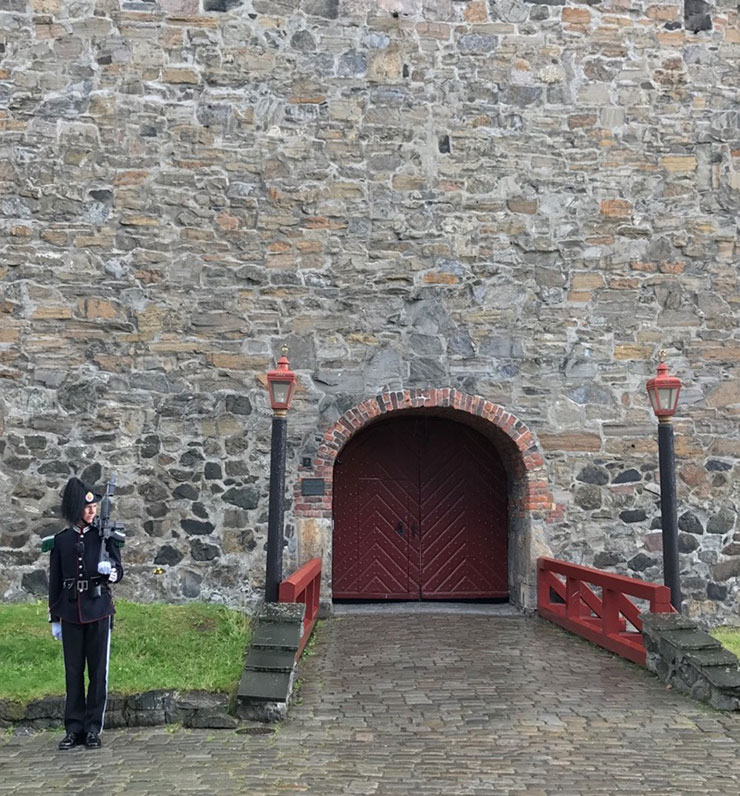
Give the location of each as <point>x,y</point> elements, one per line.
<point>193,709</point>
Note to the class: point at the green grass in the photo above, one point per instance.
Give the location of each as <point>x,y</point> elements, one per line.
<point>180,647</point>
<point>730,637</point>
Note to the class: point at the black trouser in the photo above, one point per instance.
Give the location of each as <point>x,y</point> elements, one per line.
<point>85,644</point>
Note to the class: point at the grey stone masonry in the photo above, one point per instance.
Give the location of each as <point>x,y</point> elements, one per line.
<point>522,201</point>
<point>687,658</point>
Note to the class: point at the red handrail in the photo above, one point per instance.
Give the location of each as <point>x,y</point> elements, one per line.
<point>602,619</point>
<point>303,586</point>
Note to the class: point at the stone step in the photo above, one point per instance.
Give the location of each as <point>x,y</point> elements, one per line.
<point>712,657</point>
<point>276,635</point>
<point>270,660</point>
<point>264,686</point>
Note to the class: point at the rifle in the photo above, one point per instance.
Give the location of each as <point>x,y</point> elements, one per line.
<point>106,529</point>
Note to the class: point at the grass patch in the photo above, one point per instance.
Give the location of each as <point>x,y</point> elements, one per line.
<point>181,647</point>
<point>729,637</point>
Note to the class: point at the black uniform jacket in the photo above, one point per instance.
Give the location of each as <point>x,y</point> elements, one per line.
<point>73,576</point>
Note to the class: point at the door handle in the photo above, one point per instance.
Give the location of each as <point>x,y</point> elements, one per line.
<point>399,529</point>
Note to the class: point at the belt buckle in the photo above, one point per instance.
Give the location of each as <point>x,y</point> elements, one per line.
<point>81,585</point>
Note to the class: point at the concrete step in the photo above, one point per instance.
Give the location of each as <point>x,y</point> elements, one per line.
<point>270,660</point>
<point>264,686</point>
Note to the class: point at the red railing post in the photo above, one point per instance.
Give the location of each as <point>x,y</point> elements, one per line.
<point>573,602</point>
<point>610,611</point>
<point>304,586</point>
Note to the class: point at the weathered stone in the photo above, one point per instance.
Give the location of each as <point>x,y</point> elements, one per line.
<point>605,559</point>
<point>632,515</point>
<point>36,582</point>
<point>725,570</point>
<point>689,522</point>
<point>153,491</point>
<point>238,404</point>
<point>571,442</point>
<point>157,510</point>
<point>588,497</point>
<point>190,583</point>
<point>717,464</point>
<point>200,551</point>
<point>245,497</point>
<point>239,541</point>
<point>200,510</point>
<point>593,475</point>
<point>150,446</point>
<point>722,522</point>
<point>195,527</point>
<point>168,556</point>
<point>641,562</point>
<point>329,9</point>
<point>185,492</point>
<point>628,476</point>
<point>687,543</point>
<point>212,471</point>
<point>717,591</point>
<point>191,458</point>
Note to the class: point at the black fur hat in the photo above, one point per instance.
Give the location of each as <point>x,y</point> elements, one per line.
<point>76,496</point>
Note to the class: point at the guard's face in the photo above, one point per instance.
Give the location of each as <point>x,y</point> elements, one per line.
<point>88,513</point>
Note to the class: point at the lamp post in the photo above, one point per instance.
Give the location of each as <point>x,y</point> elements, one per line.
<point>663,391</point>
<point>281,385</point>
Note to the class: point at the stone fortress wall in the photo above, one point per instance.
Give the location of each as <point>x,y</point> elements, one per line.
<point>519,200</point>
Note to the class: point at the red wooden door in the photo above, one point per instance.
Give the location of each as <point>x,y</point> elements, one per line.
<point>376,499</point>
<point>420,512</point>
<point>463,515</point>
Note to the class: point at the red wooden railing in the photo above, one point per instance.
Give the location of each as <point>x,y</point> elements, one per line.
<point>601,618</point>
<point>303,586</point>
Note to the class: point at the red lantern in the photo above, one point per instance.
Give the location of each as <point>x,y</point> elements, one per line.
<point>281,384</point>
<point>663,391</point>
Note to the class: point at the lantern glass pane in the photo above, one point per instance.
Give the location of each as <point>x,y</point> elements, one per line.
<point>666,396</point>
<point>653,400</point>
<point>280,390</point>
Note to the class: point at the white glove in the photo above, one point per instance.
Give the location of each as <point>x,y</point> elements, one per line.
<point>104,567</point>
<point>56,630</point>
<point>113,577</point>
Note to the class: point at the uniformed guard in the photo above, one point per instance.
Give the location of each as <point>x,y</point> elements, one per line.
<point>85,559</point>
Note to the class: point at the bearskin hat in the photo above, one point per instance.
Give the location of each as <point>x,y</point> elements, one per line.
<point>75,497</point>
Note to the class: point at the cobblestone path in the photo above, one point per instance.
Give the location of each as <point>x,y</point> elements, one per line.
<point>424,704</point>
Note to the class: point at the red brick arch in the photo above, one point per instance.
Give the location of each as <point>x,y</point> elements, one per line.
<point>516,445</point>
<point>531,505</point>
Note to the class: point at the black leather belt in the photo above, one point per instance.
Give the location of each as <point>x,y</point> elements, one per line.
<point>81,585</point>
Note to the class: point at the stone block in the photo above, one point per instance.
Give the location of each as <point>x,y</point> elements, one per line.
<point>685,639</point>
<point>264,686</point>
<point>289,613</point>
<point>274,635</point>
<point>656,623</point>
<point>576,441</point>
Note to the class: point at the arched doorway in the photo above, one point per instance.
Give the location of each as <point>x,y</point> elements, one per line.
<point>420,513</point>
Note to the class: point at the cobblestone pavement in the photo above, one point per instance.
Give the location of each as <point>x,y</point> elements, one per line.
<point>424,704</point>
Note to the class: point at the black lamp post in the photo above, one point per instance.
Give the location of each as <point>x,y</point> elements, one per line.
<point>281,385</point>
<point>663,391</point>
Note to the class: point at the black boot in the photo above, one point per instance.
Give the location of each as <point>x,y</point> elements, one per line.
<point>70,740</point>
<point>92,740</point>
